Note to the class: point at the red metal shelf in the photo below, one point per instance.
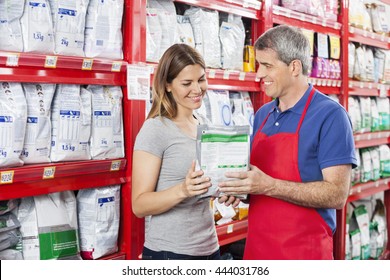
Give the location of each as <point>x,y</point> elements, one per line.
<point>53,177</point>
<point>246,8</point>
<point>363,190</point>
<point>370,139</point>
<point>27,67</point>
<point>369,38</point>
<point>282,15</point>
<point>326,86</point>
<point>359,88</point>
<point>232,232</point>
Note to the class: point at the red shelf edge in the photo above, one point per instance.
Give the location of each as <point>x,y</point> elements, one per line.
<point>63,62</point>
<point>226,6</point>
<point>231,232</point>
<point>362,190</point>
<point>35,172</point>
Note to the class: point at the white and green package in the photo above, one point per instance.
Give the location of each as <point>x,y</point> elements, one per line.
<point>221,149</point>
<point>363,222</point>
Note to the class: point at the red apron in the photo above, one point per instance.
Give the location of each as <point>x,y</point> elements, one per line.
<point>279,230</point>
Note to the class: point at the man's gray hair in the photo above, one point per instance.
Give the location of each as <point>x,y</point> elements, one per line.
<point>289,43</point>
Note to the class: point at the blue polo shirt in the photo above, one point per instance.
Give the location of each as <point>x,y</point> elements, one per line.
<point>325,137</point>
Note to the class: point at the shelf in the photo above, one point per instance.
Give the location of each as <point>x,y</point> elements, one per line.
<point>231,232</point>
<point>370,139</point>
<point>232,80</point>
<point>246,8</point>
<point>326,86</point>
<point>30,180</point>
<point>359,88</point>
<point>363,190</point>
<point>226,79</point>
<point>369,38</point>
<point>282,15</point>
<point>23,67</point>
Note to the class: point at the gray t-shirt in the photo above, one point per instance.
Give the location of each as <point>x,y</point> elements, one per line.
<point>188,228</point>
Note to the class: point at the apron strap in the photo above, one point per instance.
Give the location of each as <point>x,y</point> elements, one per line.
<point>305,110</point>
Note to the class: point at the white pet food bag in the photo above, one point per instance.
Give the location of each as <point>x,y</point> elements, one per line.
<point>98,216</point>
<point>221,149</point>
<point>71,124</point>
<point>37,27</point>
<point>103,29</point>
<point>11,38</point>
<point>13,117</point>
<point>69,25</point>
<point>205,25</point>
<point>153,35</point>
<point>221,112</point>
<point>248,110</point>
<point>37,143</point>
<point>49,226</point>
<point>166,14</point>
<point>232,37</point>
<point>107,140</point>
<point>185,35</point>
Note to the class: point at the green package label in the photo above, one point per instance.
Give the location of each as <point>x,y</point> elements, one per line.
<point>54,245</point>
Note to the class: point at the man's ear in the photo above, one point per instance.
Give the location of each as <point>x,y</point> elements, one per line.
<point>296,67</point>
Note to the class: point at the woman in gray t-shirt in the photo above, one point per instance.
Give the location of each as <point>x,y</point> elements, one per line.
<point>165,185</point>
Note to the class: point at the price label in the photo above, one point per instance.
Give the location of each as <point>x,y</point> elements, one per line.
<point>12,59</point>
<point>87,64</point>
<point>226,75</point>
<point>48,172</point>
<point>51,61</point>
<point>115,165</point>
<point>241,77</point>
<point>116,66</point>
<point>7,177</point>
<point>230,229</point>
<point>211,73</point>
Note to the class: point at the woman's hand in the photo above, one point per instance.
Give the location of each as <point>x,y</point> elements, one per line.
<point>194,184</point>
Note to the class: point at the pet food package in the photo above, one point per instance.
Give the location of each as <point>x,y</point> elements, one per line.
<point>379,217</point>
<point>71,124</point>
<point>103,29</point>
<point>13,119</point>
<point>37,142</point>
<point>98,214</point>
<point>107,140</point>
<point>365,110</point>
<point>69,25</point>
<point>384,158</point>
<point>205,25</point>
<point>359,16</point>
<point>219,107</point>
<point>11,38</point>
<point>384,112</point>
<point>221,149</point>
<point>37,27</point>
<point>49,226</point>
<point>232,37</point>
<point>153,35</point>
<point>379,17</point>
<point>9,231</point>
<point>351,59</point>
<point>185,35</point>
<point>161,28</point>
<point>363,222</point>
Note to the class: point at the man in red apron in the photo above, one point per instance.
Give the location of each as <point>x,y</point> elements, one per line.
<point>301,158</point>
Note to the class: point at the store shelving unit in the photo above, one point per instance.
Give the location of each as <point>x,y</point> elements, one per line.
<point>52,177</point>
<point>38,179</point>
<point>263,17</point>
